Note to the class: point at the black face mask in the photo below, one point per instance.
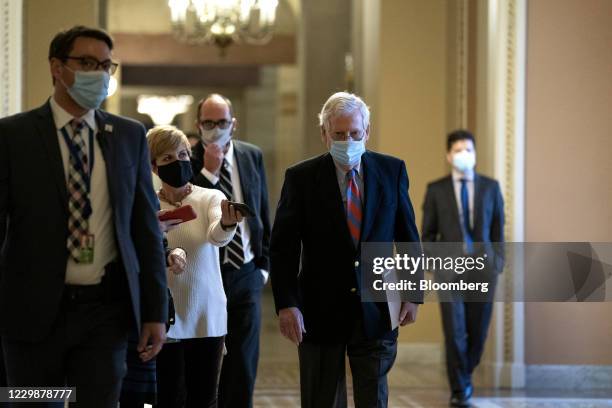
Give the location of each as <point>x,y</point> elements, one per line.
<point>177,174</point>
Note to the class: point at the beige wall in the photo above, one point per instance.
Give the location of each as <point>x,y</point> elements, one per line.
<point>324,39</point>
<point>42,20</point>
<point>411,111</point>
<point>568,165</point>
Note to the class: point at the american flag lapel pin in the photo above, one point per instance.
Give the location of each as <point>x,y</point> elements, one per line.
<point>108,128</point>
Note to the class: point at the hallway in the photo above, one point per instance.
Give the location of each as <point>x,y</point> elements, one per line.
<point>411,386</point>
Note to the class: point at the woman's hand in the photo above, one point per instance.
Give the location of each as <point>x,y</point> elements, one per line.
<point>229,215</point>
<point>177,261</point>
<point>167,225</point>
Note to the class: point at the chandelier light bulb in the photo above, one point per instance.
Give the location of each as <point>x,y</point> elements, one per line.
<point>163,109</point>
<point>223,22</point>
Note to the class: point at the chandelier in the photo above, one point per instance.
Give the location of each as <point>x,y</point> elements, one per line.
<point>163,109</point>
<point>223,22</point>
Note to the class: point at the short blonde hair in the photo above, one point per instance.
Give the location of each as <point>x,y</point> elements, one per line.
<point>164,138</point>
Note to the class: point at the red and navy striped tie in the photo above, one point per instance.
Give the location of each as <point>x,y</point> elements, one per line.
<point>353,206</point>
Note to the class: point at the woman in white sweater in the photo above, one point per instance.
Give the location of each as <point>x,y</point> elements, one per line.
<point>188,365</point>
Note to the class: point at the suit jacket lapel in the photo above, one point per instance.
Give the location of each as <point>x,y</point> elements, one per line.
<point>104,137</point>
<point>246,173</point>
<point>449,192</point>
<point>371,195</point>
<point>331,199</point>
<point>48,133</point>
<point>477,202</point>
<point>198,156</point>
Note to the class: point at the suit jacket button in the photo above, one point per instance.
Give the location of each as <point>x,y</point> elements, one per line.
<point>356,264</point>
<point>353,290</point>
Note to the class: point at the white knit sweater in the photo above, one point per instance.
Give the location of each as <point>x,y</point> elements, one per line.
<point>199,298</point>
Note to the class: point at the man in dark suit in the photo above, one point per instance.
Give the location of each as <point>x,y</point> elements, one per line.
<point>329,206</point>
<point>468,208</point>
<point>82,258</point>
<point>237,169</point>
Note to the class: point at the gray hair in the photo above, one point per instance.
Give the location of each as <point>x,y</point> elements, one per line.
<point>343,103</point>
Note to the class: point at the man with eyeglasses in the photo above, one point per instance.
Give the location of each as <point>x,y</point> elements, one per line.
<point>82,260</point>
<point>330,205</point>
<point>237,169</point>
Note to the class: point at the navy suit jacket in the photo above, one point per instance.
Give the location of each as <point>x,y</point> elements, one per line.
<point>441,216</point>
<point>34,220</point>
<point>314,264</point>
<point>252,174</point>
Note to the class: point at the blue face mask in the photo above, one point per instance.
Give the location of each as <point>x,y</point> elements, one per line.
<point>347,153</point>
<point>90,89</point>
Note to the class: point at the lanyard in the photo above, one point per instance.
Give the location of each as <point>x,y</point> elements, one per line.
<point>74,153</point>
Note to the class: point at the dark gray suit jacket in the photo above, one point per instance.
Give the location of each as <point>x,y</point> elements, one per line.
<point>34,220</point>
<point>441,216</point>
<point>254,191</point>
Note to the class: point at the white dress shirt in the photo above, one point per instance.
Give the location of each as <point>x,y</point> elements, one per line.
<point>238,197</point>
<point>101,219</point>
<point>457,176</point>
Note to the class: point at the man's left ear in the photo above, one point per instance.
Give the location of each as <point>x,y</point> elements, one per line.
<point>367,135</point>
<point>234,125</point>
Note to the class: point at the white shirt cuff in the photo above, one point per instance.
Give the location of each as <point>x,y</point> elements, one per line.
<point>219,236</point>
<point>265,274</point>
<point>211,177</point>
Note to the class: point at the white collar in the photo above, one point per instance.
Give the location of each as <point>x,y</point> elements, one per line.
<point>342,172</point>
<point>229,156</point>
<point>62,118</point>
<point>457,175</point>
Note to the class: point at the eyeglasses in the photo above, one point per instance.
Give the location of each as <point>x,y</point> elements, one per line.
<point>356,135</point>
<point>92,64</point>
<point>210,124</point>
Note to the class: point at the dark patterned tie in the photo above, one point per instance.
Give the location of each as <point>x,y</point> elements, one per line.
<point>353,206</point>
<point>79,207</point>
<point>234,250</point>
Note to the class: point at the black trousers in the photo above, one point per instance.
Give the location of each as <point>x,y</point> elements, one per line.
<point>243,290</point>
<point>188,373</point>
<point>323,376</point>
<point>465,327</point>
<point>86,348</point>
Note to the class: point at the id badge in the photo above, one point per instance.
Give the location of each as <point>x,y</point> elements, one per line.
<point>86,254</point>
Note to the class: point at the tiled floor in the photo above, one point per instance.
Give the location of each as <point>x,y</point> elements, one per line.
<point>278,387</point>
<point>430,399</point>
<point>411,385</point>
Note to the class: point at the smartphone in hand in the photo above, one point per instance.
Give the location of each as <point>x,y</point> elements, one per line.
<point>244,209</point>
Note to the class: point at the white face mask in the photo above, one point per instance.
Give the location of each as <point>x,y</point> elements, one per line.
<point>216,135</point>
<point>464,161</point>
<point>347,153</point>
